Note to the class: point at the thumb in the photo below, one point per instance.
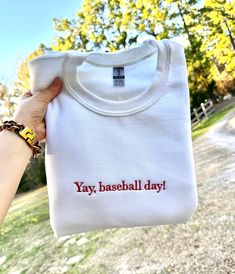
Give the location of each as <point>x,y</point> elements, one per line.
<point>51,91</point>
<point>26,95</point>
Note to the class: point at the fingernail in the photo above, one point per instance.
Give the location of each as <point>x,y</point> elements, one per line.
<point>56,81</point>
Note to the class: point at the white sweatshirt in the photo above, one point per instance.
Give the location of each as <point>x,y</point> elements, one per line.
<point>118,137</point>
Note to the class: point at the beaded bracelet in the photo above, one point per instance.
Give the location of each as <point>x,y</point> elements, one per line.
<point>25,133</point>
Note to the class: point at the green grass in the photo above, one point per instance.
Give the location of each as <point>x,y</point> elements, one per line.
<point>27,240</point>
<point>202,127</point>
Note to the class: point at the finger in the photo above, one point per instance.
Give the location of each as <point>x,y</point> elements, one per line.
<point>51,91</point>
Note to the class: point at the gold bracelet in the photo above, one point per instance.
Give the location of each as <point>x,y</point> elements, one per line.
<point>25,133</point>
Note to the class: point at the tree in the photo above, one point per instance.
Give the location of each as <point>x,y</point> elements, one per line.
<point>219,41</point>
<point>7,103</point>
<point>111,25</point>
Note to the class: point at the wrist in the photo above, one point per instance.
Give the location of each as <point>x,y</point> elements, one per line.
<point>22,129</point>
<point>26,123</point>
<point>15,142</point>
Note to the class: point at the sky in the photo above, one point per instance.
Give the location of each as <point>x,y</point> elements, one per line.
<point>24,25</point>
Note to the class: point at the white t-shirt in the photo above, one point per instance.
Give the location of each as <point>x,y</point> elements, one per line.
<point>118,147</point>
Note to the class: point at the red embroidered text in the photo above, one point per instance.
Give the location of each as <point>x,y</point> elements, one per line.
<point>123,186</point>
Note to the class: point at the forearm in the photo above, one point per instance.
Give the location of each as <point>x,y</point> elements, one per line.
<point>15,155</point>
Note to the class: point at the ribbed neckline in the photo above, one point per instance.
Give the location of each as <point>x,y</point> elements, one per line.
<point>119,58</point>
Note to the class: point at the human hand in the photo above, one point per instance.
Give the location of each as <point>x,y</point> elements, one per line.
<point>31,109</point>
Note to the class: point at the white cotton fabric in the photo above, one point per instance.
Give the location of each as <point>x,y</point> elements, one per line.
<point>96,132</point>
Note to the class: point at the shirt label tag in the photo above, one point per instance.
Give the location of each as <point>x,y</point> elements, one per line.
<point>118,77</point>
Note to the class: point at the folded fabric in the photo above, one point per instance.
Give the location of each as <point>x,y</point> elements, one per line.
<point>118,137</point>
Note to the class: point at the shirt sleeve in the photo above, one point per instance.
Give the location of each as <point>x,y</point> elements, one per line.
<point>43,70</point>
